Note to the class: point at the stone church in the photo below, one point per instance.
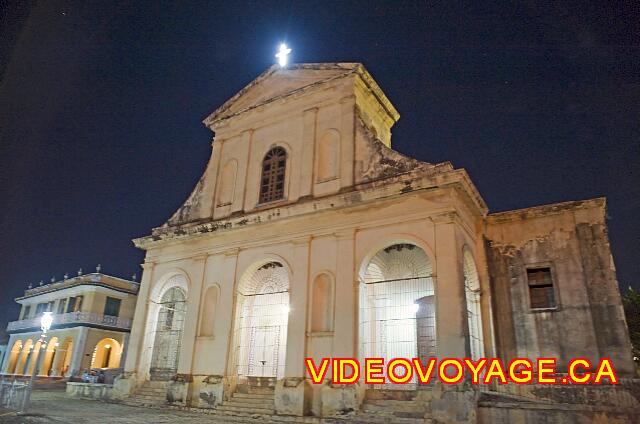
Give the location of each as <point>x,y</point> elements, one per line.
<point>309,236</point>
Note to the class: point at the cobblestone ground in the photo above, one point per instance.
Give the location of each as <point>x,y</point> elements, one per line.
<point>49,406</point>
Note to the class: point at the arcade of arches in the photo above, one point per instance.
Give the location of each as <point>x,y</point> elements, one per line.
<point>65,353</point>
<point>395,315</point>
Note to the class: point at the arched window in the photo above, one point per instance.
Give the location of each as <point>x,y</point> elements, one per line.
<point>322,308</point>
<point>273,171</point>
<point>168,333</point>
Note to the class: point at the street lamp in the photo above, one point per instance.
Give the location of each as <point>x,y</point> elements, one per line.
<point>45,324</point>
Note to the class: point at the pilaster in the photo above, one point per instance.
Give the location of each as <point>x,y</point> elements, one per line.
<point>346,304</point>
<point>187,346</point>
<point>296,327</point>
<point>78,351</point>
<point>137,334</point>
<point>309,119</point>
<point>450,300</point>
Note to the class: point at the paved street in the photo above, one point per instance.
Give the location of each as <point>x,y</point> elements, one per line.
<point>49,406</point>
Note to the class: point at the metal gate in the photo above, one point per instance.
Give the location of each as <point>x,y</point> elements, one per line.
<point>263,334</point>
<point>168,334</point>
<point>397,315</point>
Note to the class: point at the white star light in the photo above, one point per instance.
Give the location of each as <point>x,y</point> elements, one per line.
<point>283,55</point>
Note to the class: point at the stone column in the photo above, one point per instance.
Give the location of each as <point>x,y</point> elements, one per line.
<point>450,300</point>
<point>78,351</point>
<point>307,164</point>
<point>340,398</point>
<point>181,389</point>
<point>347,140</point>
<point>296,327</point>
<point>451,403</point>
<point>189,333</point>
<point>229,269</point>
<point>138,325</point>
<point>293,394</point>
<point>125,347</point>
<point>58,358</point>
<point>345,337</point>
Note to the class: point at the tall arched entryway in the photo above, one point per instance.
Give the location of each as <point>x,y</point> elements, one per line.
<point>106,354</point>
<point>474,316</point>
<point>14,356</point>
<point>49,353</point>
<point>169,327</point>
<point>262,314</point>
<point>21,368</point>
<point>63,356</point>
<point>397,306</point>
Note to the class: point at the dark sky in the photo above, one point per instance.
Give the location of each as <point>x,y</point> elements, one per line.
<point>101,106</point>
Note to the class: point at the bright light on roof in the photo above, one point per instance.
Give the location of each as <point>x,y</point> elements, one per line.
<point>283,55</point>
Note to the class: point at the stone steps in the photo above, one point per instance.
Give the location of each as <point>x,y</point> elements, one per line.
<point>245,409</point>
<point>376,419</point>
<point>152,393</point>
<point>260,403</point>
<point>380,410</point>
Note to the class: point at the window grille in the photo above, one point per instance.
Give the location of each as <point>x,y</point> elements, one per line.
<point>541,292</point>
<point>273,173</point>
<point>168,334</point>
<point>397,307</point>
<point>261,322</point>
<point>474,316</point>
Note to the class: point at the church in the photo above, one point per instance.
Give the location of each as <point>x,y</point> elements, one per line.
<point>308,236</point>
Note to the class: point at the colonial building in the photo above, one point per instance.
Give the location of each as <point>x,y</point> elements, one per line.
<point>308,236</point>
<point>92,316</point>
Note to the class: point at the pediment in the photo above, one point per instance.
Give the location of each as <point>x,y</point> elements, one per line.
<point>278,82</point>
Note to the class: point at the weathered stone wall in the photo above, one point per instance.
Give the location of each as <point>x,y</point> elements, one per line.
<point>562,404</point>
<point>571,239</point>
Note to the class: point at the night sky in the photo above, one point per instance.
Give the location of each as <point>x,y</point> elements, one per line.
<point>101,106</point>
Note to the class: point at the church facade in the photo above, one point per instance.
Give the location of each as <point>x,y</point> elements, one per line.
<point>308,236</point>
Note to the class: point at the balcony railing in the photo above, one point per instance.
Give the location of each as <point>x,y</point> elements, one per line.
<point>78,318</point>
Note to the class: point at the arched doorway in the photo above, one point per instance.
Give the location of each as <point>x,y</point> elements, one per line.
<point>49,353</point>
<point>33,358</point>
<point>21,368</point>
<point>261,322</point>
<point>62,360</point>
<point>474,316</point>
<point>13,358</point>
<point>106,354</point>
<point>397,306</point>
<point>168,334</point>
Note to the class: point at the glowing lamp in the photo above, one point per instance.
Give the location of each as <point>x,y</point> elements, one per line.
<point>415,307</point>
<point>45,321</point>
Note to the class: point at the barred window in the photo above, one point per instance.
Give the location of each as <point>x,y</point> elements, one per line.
<point>541,292</point>
<point>273,172</point>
